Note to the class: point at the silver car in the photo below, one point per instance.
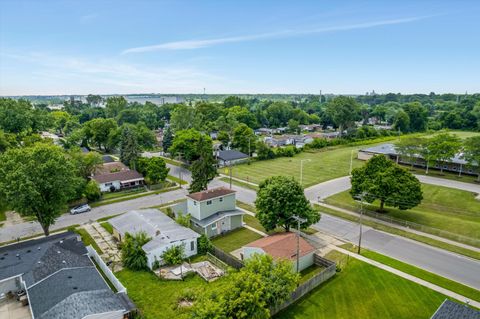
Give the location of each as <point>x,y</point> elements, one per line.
<point>80,209</point>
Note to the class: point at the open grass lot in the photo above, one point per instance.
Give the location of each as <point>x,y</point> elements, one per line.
<point>235,239</point>
<point>324,165</point>
<point>451,285</point>
<point>158,299</point>
<point>361,291</point>
<point>449,209</point>
<point>461,134</point>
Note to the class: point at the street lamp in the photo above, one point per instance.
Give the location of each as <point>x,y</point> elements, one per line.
<point>362,195</point>
<point>301,169</point>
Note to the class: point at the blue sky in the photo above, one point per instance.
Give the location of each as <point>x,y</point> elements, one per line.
<point>349,47</point>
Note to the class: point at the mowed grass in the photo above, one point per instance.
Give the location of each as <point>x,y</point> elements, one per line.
<point>451,285</point>
<point>157,298</point>
<point>362,291</point>
<point>460,134</point>
<point>235,239</point>
<point>324,165</point>
<point>448,209</point>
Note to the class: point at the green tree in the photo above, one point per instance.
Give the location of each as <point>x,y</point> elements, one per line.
<point>37,181</point>
<point>133,255</point>
<point>16,116</point>
<point>244,139</point>
<point>264,151</point>
<point>442,147</point>
<point>185,117</point>
<point>94,100</point>
<point>99,131</point>
<point>167,139</point>
<point>472,152</point>
<point>115,105</point>
<point>203,169</point>
<point>85,163</point>
<point>92,191</point>
<point>293,126</point>
<point>129,149</point>
<point>157,170</point>
<point>402,122</point>
<point>204,245</point>
<point>279,198</point>
<point>187,144</point>
<point>183,220</point>
<point>417,114</point>
<point>174,255</point>
<point>409,148</point>
<point>343,111</point>
<point>383,180</point>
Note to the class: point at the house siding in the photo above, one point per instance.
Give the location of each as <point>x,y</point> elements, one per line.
<point>236,222</point>
<point>156,253</point>
<point>217,205</point>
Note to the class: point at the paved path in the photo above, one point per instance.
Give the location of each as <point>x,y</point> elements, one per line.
<point>456,267</point>
<point>419,281</point>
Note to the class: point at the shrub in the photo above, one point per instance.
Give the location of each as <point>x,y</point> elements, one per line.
<point>204,245</point>
<point>92,191</point>
<point>133,256</point>
<point>183,220</point>
<point>174,255</point>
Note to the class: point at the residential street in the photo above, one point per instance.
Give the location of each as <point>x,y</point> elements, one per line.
<point>449,265</point>
<point>444,263</point>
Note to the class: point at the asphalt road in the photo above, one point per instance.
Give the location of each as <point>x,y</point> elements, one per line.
<point>456,267</point>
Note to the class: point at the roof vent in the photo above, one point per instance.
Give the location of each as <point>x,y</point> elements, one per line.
<point>39,262</point>
<point>61,241</point>
<point>63,261</point>
<point>69,277</point>
<point>75,288</point>
<point>18,255</point>
<point>39,247</point>
<point>59,252</point>
<point>29,251</point>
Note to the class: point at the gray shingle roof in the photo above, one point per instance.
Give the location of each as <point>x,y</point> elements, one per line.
<point>231,155</point>
<point>452,310</point>
<point>217,216</point>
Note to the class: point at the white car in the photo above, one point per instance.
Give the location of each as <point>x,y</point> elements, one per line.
<point>80,209</point>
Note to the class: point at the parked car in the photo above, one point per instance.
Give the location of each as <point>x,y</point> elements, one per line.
<point>80,209</point>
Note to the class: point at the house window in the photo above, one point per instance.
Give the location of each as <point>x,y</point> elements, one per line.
<point>221,199</point>
<point>214,226</point>
<point>194,203</point>
<point>192,246</point>
<point>108,184</point>
<point>209,202</point>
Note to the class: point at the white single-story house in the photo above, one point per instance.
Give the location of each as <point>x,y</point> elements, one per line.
<point>113,176</point>
<point>163,230</point>
<point>282,246</point>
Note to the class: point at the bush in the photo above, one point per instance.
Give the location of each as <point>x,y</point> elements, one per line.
<point>183,220</point>
<point>204,245</point>
<point>174,255</point>
<point>133,256</point>
<point>169,212</point>
<point>92,191</point>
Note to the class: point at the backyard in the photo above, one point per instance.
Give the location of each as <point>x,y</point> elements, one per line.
<point>364,291</point>
<point>158,298</point>
<point>235,239</point>
<point>448,209</point>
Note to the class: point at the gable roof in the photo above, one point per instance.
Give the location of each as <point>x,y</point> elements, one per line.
<point>121,176</point>
<point>283,246</point>
<point>452,310</point>
<point>210,193</point>
<point>162,229</point>
<point>231,155</point>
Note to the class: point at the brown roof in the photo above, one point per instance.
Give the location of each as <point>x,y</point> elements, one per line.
<point>282,246</point>
<point>210,193</point>
<point>118,176</point>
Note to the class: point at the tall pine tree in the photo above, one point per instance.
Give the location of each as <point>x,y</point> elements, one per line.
<point>129,149</point>
<point>167,139</point>
<point>203,169</point>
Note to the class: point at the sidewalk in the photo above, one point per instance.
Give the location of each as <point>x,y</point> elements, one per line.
<point>413,231</point>
<point>409,277</point>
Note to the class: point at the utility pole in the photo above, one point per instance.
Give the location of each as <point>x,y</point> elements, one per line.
<point>299,220</point>
<point>230,166</point>
<point>351,162</point>
<point>361,222</point>
<point>180,170</point>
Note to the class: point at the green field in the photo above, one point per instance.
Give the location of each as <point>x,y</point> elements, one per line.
<point>461,134</point>
<point>448,209</point>
<point>362,291</point>
<point>324,165</point>
<point>235,239</point>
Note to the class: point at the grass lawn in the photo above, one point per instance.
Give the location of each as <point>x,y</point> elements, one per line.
<point>310,272</point>
<point>399,232</point>
<point>324,165</point>
<point>235,239</point>
<point>250,208</point>
<point>112,195</point>
<point>88,240</point>
<point>176,180</point>
<point>108,227</point>
<point>461,134</point>
<point>361,291</point>
<point>2,216</point>
<point>454,286</point>
<point>158,299</point>
<point>448,209</point>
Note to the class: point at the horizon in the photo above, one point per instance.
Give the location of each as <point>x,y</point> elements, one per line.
<point>122,48</point>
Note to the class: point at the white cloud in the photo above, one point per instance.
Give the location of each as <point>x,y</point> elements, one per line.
<point>197,44</point>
